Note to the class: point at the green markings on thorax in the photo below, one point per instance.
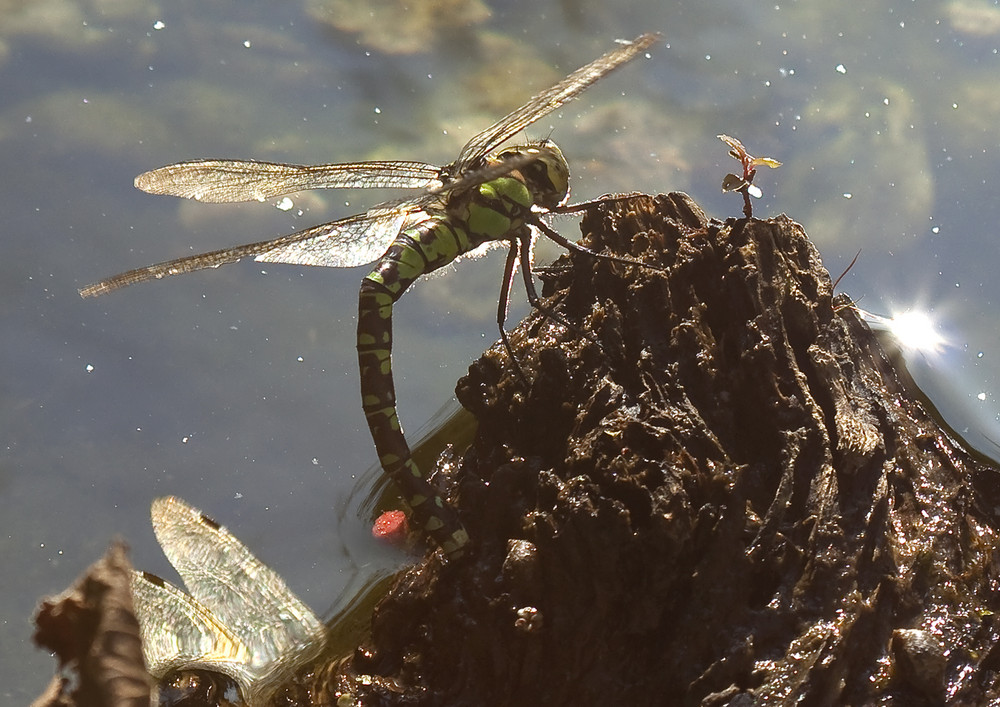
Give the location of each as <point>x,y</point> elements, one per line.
<point>491,215</point>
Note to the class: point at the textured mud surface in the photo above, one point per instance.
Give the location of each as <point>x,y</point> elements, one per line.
<point>724,494</point>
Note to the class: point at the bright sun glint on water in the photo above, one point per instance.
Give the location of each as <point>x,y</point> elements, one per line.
<point>914,329</point>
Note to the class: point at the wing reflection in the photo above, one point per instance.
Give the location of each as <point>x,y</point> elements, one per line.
<point>239,618</point>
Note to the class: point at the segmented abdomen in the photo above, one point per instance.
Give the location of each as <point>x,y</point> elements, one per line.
<point>426,247</point>
<point>490,212</point>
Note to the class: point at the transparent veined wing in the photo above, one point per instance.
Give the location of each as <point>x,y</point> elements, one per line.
<point>244,594</point>
<point>547,101</point>
<point>194,638</point>
<point>350,241</point>
<point>217,181</point>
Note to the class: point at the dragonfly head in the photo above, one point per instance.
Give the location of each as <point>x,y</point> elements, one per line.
<point>547,176</point>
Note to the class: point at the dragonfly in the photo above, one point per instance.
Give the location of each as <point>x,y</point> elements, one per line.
<point>486,195</point>
<point>238,629</point>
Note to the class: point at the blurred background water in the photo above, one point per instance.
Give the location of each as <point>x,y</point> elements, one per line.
<point>237,388</point>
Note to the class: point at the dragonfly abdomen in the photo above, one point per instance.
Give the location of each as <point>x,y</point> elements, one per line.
<point>490,211</point>
<point>428,246</point>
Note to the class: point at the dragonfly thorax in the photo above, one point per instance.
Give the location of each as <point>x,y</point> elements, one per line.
<point>546,176</point>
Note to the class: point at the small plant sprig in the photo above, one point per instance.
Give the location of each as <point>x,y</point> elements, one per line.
<point>744,185</point>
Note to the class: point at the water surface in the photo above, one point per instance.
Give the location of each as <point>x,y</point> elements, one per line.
<point>236,389</point>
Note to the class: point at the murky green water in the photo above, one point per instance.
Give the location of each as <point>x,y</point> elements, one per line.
<point>237,390</point>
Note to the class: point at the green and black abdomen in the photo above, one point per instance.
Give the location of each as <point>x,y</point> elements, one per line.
<point>403,263</point>
<point>494,210</point>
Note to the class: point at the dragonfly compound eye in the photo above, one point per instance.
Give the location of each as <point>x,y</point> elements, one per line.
<point>547,176</point>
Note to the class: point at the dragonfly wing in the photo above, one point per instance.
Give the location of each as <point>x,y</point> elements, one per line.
<point>241,591</point>
<point>218,181</point>
<point>351,241</point>
<point>339,244</point>
<point>178,632</point>
<point>188,263</point>
<point>548,100</point>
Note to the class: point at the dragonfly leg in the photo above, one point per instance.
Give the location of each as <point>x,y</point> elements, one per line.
<point>524,236</point>
<point>378,394</point>
<point>502,305</point>
<point>554,235</point>
<point>587,205</point>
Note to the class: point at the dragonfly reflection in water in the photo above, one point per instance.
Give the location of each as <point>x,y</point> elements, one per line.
<point>483,196</point>
<point>240,619</point>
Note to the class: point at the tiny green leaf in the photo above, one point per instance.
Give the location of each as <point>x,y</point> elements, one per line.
<point>766,161</point>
